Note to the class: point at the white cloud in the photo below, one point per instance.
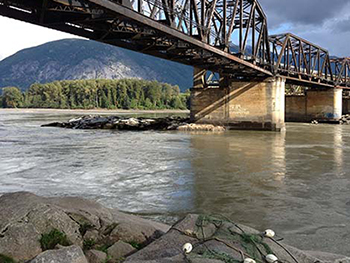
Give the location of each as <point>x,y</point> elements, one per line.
<point>17,35</point>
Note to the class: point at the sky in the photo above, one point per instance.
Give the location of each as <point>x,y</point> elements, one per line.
<point>323,22</point>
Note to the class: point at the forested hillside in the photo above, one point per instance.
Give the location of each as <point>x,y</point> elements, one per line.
<point>90,94</point>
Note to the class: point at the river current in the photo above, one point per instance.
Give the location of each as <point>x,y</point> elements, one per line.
<point>297,183</point>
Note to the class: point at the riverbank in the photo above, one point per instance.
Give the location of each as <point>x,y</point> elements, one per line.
<point>94,111</point>
<point>74,230</point>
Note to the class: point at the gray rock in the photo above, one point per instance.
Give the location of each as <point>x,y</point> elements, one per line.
<point>119,250</point>
<point>25,217</point>
<point>72,254</point>
<point>96,256</point>
<point>91,235</point>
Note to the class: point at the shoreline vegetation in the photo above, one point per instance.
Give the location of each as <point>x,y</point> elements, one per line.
<point>125,94</point>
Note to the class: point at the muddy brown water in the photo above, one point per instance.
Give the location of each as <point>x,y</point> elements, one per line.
<point>297,183</point>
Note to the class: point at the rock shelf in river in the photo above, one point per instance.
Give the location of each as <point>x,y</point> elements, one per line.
<point>134,124</point>
<point>345,119</point>
<point>121,123</point>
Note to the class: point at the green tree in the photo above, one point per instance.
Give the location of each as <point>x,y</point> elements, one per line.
<point>102,93</point>
<point>12,97</point>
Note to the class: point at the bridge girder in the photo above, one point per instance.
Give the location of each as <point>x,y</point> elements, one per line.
<point>233,31</point>
<point>229,37</point>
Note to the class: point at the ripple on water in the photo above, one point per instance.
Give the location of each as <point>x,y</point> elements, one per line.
<point>296,183</point>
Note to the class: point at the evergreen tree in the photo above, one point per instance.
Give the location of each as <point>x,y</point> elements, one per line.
<point>88,94</point>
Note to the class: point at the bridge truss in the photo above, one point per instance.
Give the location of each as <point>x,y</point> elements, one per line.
<point>219,35</point>
<point>229,37</point>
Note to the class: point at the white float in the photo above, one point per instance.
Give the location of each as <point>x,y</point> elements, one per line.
<point>249,260</point>
<point>187,248</point>
<point>271,258</point>
<point>269,233</point>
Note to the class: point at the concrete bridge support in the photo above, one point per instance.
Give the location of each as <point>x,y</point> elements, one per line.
<point>321,105</point>
<point>346,105</point>
<point>253,105</point>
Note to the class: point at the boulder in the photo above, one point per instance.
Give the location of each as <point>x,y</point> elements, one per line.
<point>96,256</point>
<point>120,250</point>
<point>72,254</point>
<point>25,217</point>
<point>92,235</point>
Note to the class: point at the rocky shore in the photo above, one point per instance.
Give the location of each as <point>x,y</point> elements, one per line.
<point>38,229</point>
<point>134,124</point>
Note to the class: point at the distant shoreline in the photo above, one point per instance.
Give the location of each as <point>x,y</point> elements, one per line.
<point>92,111</point>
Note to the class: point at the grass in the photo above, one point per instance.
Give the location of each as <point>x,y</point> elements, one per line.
<point>53,238</point>
<point>103,248</point>
<point>6,259</point>
<point>136,245</point>
<point>89,244</point>
<point>84,228</point>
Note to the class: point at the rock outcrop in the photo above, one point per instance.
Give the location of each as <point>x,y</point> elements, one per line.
<point>95,234</point>
<point>25,218</point>
<point>136,124</point>
<point>120,123</point>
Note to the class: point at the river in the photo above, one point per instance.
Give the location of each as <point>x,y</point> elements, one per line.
<point>297,183</point>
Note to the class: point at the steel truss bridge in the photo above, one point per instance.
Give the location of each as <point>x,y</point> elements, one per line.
<point>229,37</point>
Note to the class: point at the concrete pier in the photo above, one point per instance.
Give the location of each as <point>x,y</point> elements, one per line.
<point>346,105</point>
<point>253,105</point>
<point>320,105</point>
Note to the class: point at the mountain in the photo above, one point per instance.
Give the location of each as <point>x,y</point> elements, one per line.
<point>86,59</point>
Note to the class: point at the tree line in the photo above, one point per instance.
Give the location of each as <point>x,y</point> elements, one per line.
<point>90,94</point>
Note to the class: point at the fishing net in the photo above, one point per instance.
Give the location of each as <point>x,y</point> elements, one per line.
<point>222,240</point>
